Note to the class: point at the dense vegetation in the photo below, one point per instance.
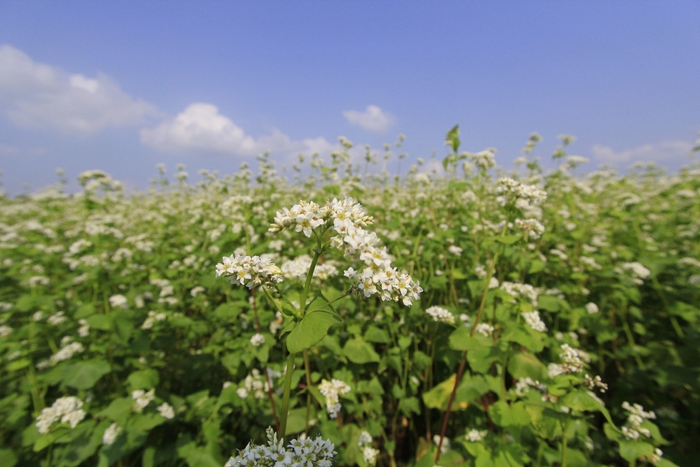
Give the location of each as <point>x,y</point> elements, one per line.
<point>530,319</point>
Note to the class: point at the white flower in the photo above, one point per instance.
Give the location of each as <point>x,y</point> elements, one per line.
<point>166,410</point>
<point>365,438</point>
<point>84,329</point>
<point>455,250</point>
<point>67,409</point>
<point>574,359</point>
<point>110,434</point>
<point>440,314</point>
<point>633,429</point>
<point>638,270</point>
<point>332,389</point>
<point>143,398</point>
<point>484,329</point>
<point>369,454</point>
<point>249,271</point>
<point>56,318</point>
<point>5,330</point>
<point>445,443</point>
<point>591,308</point>
<point>534,321</point>
<point>474,436</point>
<point>117,301</point>
<point>66,352</point>
<point>257,340</point>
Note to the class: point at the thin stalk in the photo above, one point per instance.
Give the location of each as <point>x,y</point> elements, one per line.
<point>563,446</point>
<point>308,391</point>
<point>460,371</point>
<point>285,397</point>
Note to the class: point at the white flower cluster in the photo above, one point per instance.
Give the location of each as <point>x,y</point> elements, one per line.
<point>298,268</point>
<point>533,226</point>
<point>520,290</point>
<point>152,318</point>
<point>117,301</point>
<point>256,383</point>
<point>306,453</point>
<point>440,314</point>
<point>474,436</point>
<point>369,454</point>
<point>596,382</point>
<point>574,359</point>
<point>523,386</point>
<point>446,445</point>
<point>638,271</point>
<point>5,330</point>
<point>332,389</point>
<point>110,434</point>
<point>522,195</point>
<point>533,320</point>
<point>484,329</point>
<point>249,271</point>
<point>143,398</point>
<point>67,409</point>
<point>307,216</point>
<point>257,340</point>
<point>166,410</point>
<point>347,219</point>
<point>633,428</point>
<point>66,352</point>
<point>484,160</point>
<point>592,308</point>
<point>56,318</point>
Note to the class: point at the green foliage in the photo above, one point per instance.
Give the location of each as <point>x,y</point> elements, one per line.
<point>112,299</point>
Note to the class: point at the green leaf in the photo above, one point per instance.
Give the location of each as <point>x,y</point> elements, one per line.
<point>8,458</point>
<point>310,330</point>
<point>380,336</point>
<point>523,365</point>
<point>84,375</point>
<point>143,379</point>
<point>453,138</point>
<point>508,239</point>
<point>296,421</point>
<point>633,450</point>
<point>118,410</point>
<point>439,396</point>
<point>460,339</point>
<point>18,364</point>
<point>503,414</point>
<point>548,303</point>
<point>42,442</point>
<point>101,322</point>
<point>359,351</point>
<point>227,311</point>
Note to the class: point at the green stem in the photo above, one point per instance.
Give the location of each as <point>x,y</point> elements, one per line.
<point>563,445</point>
<point>308,391</point>
<point>285,397</point>
<point>492,266</point>
<point>309,275</point>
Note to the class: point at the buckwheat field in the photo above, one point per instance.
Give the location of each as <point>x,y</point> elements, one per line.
<point>344,314</point>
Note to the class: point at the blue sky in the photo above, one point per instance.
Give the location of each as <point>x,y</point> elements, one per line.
<point>122,86</point>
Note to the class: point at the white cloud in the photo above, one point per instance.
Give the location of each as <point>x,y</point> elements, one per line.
<point>201,128</point>
<point>372,119</point>
<point>35,95</point>
<point>663,151</point>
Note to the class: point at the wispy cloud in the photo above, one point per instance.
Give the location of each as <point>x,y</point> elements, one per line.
<point>200,128</point>
<point>657,152</point>
<point>372,119</point>
<point>36,95</point>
